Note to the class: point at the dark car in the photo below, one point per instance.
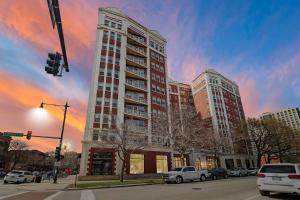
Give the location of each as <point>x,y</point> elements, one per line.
<point>2,173</point>
<point>218,173</point>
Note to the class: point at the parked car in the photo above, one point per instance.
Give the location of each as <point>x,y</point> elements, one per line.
<point>37,176</point>
<point>218,173</point>
<point>279,178</point>
<point>186,173</point>
<point>238,172</point>
<point>252,171</point>
<point>18,176</point>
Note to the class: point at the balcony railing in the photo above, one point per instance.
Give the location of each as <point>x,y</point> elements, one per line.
<point>136,98</point>
<point>140,129</point>
<point>135,84</point>
<point>136,60</point>
<point>136,72</point>
<point>137,39</point>
<point>136,113</point>
<point>136,49</point>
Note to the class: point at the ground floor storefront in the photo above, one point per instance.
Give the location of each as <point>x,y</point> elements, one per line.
<point>228,161</point>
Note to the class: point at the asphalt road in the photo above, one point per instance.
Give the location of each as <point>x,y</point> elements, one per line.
<point>229,189</point>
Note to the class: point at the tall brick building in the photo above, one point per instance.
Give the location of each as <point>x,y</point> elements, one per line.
<point>129,85</point>
<point>218,102</point>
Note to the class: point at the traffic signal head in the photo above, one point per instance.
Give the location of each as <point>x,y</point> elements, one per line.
<point>57,153</point>
<point>28,136</point>
<point>53,63</point>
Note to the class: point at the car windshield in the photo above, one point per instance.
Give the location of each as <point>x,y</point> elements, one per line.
<point>278,169</point>
<point>178,169</point>
<point>16,172</point>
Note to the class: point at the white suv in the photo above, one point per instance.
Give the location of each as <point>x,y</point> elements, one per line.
<point>18,176</point>
<point>279,178</point>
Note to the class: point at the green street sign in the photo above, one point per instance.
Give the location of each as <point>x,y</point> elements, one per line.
<point>12,134</point>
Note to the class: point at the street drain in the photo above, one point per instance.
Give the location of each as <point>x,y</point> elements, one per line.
<point>196,188</point>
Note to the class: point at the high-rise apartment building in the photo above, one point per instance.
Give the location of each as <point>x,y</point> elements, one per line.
<point>290,116</point>
<point>218,102</point>
<point>128,86</point>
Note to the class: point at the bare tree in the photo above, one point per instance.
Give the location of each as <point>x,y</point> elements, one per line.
<point>183,130</point>
<point>125,141</point>
<point>16,150</point>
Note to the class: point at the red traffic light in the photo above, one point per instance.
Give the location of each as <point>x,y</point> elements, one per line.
<point>28,136</point>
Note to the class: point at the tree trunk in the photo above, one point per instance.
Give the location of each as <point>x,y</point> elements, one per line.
<point>258,160</point>
<point>122,171</point>
<point>182,160</point>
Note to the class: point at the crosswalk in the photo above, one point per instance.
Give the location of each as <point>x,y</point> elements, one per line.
<point>57,195</point>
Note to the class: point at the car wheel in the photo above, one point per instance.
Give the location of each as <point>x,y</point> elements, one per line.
<point>5,182</point>
<point>179,179</point>
<point>214,177</point>
<point>226,176</point>
<point>202,178</point>
<point>25,180</point>
<point>264,193</point>
<point>240,175</point>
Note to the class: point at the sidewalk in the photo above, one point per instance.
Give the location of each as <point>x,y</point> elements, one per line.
<point>45,185</point>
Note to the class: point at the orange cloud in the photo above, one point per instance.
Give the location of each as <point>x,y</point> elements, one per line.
<point>30,21</point>
<point>31,96</point>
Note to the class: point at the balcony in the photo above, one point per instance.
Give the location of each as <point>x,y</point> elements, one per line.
<point>137,40</point>
<point>135,86</point>
<point>135,99</point>
<point>134,73</point>
<point>135,113</point>
<point>138,129</point>
<point>135,61</point>
<point>138,51</point>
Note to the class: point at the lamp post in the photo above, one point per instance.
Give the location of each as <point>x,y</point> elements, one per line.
<point>61,135</point>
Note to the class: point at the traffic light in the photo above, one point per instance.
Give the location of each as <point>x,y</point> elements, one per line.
<point>57,153</point>
<point>53,63</point>
<point>28,136</point>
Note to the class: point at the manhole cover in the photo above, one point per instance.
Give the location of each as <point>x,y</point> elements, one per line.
<point>196,188</point>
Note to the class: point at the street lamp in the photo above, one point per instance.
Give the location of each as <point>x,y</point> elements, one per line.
<point>62,132</point>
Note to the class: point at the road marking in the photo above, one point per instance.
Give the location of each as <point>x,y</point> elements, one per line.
<point>12,195</point>
<point>54,195</point>
<point>87,195</point>
<point>253,197</point>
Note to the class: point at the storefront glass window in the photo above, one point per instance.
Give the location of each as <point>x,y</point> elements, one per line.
<point>178,162</point>
<point>102,163</point>
<point>161,164</point>
<point>136,163</point>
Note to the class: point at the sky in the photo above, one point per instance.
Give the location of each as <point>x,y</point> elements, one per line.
<point>254,43</point>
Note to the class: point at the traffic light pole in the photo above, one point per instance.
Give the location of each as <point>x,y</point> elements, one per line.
<point>60,141</point>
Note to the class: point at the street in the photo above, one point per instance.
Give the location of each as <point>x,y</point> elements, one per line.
<point>229,189</point>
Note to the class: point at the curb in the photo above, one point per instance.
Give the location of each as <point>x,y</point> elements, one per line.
<point>115,186</point>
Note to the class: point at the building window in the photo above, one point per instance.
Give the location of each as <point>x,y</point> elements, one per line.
<point>99,101</point>
<point>100,86</point>
<point>97,117</point>
<point>161,164</point>
<point>95,136</point>
<point>115,103</point>
<point>119,26</point>
<point>115,88</point>
<point>117,74</point>
<point>106,22</point>
<point>153,65</point>
<point>153,76</point>
<point>102,163</point>
<point>101,71</point>
<point>136,163</point>
<point>106,102</point>
<point>108,73</point>
<point>179,162</point>
<point>119,37</point>
<point>153,99</point>
<point>113,24</point>
<point>153,88</point>
<point>105,119</point>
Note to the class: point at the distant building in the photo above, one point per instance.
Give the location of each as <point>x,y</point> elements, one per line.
<point>290,116</point>
<point>4,145</point>
<point>31,160</point>
<point>218,102</point>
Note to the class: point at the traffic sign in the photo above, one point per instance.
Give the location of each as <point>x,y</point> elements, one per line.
<point>57,164</point>
<point>9,134</point>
